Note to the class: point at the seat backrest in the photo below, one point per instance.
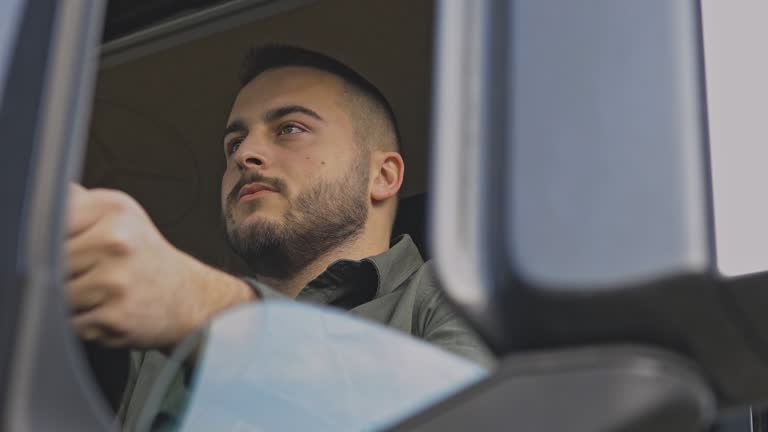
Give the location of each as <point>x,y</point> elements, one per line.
<point>411,219</point>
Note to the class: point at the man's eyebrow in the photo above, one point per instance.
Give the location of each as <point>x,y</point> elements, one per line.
<point>235,126</point>
<point>277,113</point>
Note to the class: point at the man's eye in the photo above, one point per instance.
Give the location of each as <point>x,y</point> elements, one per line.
<point>289,129</point>
<point>233,145</point>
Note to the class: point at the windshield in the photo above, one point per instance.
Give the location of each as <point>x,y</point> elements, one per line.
<point>291,366</point>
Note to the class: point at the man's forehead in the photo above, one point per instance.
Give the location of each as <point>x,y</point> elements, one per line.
<point>289,84</point>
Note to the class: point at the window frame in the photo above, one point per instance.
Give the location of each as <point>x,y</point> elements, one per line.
<point>45,114</point>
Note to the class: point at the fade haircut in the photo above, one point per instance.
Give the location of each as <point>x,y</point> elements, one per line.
<point>372,117</point>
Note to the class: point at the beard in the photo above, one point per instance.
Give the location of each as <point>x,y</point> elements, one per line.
<point>326,216</point>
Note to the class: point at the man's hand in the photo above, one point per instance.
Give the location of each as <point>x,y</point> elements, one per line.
<point>130,287</point>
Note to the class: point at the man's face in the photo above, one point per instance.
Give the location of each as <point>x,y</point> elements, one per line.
<point>296,181</point>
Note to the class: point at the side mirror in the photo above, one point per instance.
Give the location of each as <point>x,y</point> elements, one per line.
<point>290,366</point>
<point>605,211</point>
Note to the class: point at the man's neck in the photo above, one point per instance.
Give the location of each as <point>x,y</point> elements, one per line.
<point>359,249</point>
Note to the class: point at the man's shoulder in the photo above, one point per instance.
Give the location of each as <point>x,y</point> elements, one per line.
<point>425,281</point>
<point>437,320</point>
<point>429,300</point>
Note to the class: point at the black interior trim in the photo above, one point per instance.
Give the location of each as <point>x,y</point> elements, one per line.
<point>128,16</point>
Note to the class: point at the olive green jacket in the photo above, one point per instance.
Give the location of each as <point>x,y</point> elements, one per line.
<point>396,288</point>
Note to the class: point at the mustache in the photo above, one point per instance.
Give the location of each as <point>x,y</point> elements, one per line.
<point>255,177</point>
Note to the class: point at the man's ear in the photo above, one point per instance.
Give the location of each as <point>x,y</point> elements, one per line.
<point>386,175</point>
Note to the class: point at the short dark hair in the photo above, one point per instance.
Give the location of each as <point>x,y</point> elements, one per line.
<point>259,59</point>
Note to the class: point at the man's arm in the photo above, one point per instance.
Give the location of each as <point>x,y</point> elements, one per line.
<point>127,285</point>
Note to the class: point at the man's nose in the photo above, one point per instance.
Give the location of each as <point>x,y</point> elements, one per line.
<point>252,155</point>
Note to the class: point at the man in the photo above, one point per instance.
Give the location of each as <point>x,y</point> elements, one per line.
<point>309,197</point>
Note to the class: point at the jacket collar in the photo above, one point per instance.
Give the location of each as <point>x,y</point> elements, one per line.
<point>349,283</point>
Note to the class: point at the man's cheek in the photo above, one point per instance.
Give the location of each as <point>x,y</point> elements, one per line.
<point>228,181</point>
<point>226,193</point>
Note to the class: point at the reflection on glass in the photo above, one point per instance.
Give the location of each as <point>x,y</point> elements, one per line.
<point>281,366</point>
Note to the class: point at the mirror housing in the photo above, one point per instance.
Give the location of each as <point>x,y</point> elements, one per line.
<point>593,220</point>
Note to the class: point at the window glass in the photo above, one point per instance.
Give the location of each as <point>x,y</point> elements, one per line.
<point>289,366</point>
<point>162,102</point>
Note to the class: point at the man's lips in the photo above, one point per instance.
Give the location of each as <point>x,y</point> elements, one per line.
<point>253,191</point>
